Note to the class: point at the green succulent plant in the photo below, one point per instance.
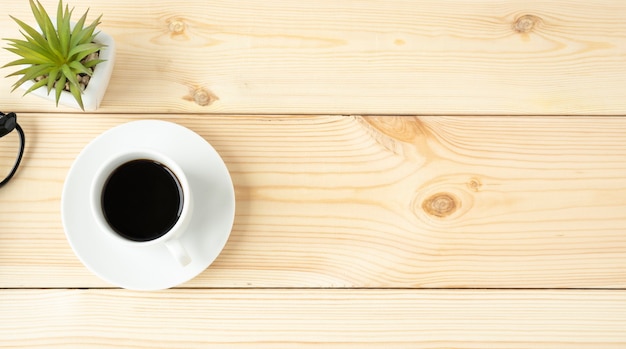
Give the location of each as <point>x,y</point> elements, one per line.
<point>55,56</point>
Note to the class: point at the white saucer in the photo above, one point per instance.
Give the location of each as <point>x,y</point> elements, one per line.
<point>151,267</point>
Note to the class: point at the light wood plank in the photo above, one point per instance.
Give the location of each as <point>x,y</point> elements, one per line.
<point>339,201</point>
<point>357,57</point>
<point>312,318</point>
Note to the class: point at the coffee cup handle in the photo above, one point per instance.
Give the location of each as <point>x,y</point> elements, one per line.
<point>178,252</point>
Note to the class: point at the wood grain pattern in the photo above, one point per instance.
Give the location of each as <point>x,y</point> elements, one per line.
<point>357,57</point>
<point>312,318</point>
<point>355,227</point>
<point>348,201</point>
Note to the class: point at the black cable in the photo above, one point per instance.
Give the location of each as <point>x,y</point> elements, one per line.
<point>13,120</point>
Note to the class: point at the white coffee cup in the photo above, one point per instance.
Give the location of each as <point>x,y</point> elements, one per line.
<point>123,166</point>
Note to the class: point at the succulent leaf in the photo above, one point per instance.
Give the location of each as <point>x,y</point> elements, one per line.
<point>31,73</point>
<point>69,74</point>
<point>25,71</point>
<point>16,62</point>
<point>52,78</point>
<point>76,92</point>
<point>37,85</point>
<point>32,32</point>
<point>63,28</point>
<point>33,70</point>
<point>78,30</point>
<point>81,51</point>
<point>29,43</point>
<point>29,55</point>
<point>27,49</point>
<point>92,63</point>
<point>59,86</point>
<point>37,14</point>
<point>89,31</point>
<point>79,68</point>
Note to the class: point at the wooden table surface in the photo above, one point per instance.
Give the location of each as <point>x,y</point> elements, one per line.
<point>408,174</point>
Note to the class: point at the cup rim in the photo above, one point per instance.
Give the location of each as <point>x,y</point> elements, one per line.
<point>113,162</point>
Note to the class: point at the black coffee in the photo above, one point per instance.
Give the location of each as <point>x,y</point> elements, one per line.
<point>142,200</point>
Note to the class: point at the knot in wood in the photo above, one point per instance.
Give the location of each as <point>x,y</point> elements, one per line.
<point>177,26</point>
<point>441,205</point>
<point>202,97</point>
<point>474,184</point>
<point>526,23</point>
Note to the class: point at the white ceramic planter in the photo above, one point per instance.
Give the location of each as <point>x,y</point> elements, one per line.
<point>94,93</point>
